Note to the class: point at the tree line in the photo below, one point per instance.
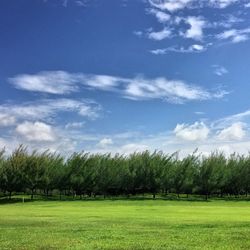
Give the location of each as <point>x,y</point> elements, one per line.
<point>86,174</point>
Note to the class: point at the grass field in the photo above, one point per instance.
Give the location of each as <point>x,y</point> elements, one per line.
<point>148,224</point>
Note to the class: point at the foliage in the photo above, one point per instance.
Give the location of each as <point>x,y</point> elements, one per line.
<point>139,173</point>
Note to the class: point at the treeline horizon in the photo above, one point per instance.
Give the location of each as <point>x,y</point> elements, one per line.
<point>87,174</point>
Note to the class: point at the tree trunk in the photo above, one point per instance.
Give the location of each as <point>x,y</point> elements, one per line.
<point>10,195</point>
<point>206,196</point>
<point>153,196</point>
<point>32,194</point>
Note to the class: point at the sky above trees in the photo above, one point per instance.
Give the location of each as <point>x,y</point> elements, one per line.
<point>125,75</point>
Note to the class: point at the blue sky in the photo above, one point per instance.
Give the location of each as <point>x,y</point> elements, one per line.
<point>125,75</point>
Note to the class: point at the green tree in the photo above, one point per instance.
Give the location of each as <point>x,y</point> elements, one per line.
<point>12,171</point>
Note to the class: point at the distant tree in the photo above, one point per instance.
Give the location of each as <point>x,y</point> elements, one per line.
<point>244,174</point>
<point>13,169</point>
<point>34,171</point>
<point>2,163</point>
<point>52,164</point>
<point>210,173</point>
<point>184,174</point>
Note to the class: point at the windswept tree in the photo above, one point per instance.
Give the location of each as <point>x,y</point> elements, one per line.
<point>184,172</point>
<point>82,167</point>
<point>2,163</point>
<point>138,173</point>
<point>34,171</point>
<point>210,176</point>
<point>245,175</point>
<point>167,176</point>
<point>13,171</point>
<point>53,163</point>
<point>106,177</point>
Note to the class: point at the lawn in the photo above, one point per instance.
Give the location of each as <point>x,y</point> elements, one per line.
<point>125,224</point>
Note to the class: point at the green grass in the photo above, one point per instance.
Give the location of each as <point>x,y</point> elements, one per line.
<point>125,224</point>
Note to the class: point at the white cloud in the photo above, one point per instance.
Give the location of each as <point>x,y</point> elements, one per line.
<point>37,131</point>
<point>234,132</point>
<point>133,147</point>
<point>62,82</point>
<point>161,16</point>
<point>65,3</point>
<point>229,120</point>
<point>49,108</point>
<point>137,88</point>
<point>219,70</point>
<point>52,82</point>
<point>105,142</point>
<point>170,5</point>
<point>159,35</point>
<point>222,3</point>
<point>74,125</point>
<point>138,33</point>
<point>194,132</point>
<point>199,113</point>
<point>81,3</point>
<point>247,5</point>
<point>159,51</point>
<point>6,120</point>
<point>234,35</point>
<point>196,27</point>
<point>226,21</point>
<point>102,82</point>
<point>195,48</point>
<point>173,91</point>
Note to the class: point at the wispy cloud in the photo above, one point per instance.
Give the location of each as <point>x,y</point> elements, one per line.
<point>222,3</point>
<point>247,5</point>
<point>234,35</point>
<point>227,22</point>
<point>194,48</point>
<point>52,82</point>
<point>173,91</point>
<point>161,16</point>
<point>219,70</point>
<point>6,120</point>
<point>105,142</point>
<point>227,121</point>
<point>138,88</point>
<point>48,108</point>
<point>138,33</point>
<point>199,113</point>
<point>74,125</point>
<point>81,3</point>
<point>159,35</point>
<point>170,5</point>
<point>178,5</point>
<point>101,82</point>
<point>141,88</point>
<point>197,26</point>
